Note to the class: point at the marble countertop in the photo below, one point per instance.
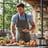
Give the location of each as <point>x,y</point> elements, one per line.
<point>22,47</point>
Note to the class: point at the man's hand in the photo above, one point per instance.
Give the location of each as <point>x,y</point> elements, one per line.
<point>25,30</point>
<point>13,39</point>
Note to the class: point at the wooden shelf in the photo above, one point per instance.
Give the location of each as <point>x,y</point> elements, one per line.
<point>40,25</point>
<point>45,12</point>
<point>46,18</point>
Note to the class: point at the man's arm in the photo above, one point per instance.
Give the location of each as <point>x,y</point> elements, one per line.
<point>32,29</point>
<point>33,26</point>
<point>12,32</point>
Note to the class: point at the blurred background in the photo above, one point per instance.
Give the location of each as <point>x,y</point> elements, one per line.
<point>8,9</point>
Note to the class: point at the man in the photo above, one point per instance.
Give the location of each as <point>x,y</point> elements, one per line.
<point>21,20</point>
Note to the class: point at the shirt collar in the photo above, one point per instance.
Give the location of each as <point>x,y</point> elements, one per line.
<point>22,15</point>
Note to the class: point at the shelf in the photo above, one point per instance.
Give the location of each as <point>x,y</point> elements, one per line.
<point>46,18</point>
<point>45,30</point>
<point>40,25</point>
<point>37,10</point>
<point>43,11</point>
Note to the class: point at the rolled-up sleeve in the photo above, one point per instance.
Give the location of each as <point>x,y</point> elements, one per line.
<point>13,20</point>
<point>30,19</point>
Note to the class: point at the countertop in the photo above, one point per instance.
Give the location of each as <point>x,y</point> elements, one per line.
<point>22,47</point>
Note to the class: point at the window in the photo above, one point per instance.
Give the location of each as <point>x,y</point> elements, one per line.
<point>1,16</point>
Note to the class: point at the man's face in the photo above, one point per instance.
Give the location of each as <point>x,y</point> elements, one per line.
<point>20,10</point>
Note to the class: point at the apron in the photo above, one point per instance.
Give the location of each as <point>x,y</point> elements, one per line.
<point>20,35</point>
